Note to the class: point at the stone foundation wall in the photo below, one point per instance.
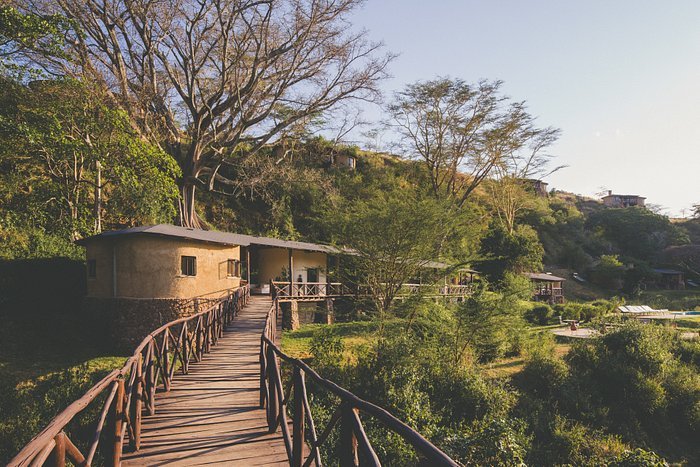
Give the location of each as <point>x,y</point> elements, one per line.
<point>126,321</point>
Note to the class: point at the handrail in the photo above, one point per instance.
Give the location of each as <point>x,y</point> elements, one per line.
<point>285,290</point>
<point>152,364</point>
<point>353,439</point>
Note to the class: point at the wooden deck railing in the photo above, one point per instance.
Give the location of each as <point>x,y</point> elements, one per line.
<point>435,290</point>
<point>152,365</point>
<point>317,290</point>
<point>301,290</point>
<point>303,442</point>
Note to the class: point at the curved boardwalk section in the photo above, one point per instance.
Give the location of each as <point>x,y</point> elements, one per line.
<point>212,415</point>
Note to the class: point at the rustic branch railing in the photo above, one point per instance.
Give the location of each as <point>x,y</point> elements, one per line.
<point>303,443</point>
<point>132,389</point>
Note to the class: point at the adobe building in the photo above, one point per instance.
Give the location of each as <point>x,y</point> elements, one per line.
<point>623,201</point>
<point>143,277</point>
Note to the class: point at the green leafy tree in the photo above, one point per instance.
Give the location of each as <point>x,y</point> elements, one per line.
<point>464,133</point>
<point>517,252</point>
<point>609,272</point>
<point>23,35</point>
<point>215,82</point>
<point>392,238</point>
<point>72,162</point>
<point>635,232</point>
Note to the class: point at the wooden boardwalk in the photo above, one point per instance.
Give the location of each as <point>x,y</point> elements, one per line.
<point>212,415</point>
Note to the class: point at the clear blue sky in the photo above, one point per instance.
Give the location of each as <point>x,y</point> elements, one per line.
<point>620,78</point>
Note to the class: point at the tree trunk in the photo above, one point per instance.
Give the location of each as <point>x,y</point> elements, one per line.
<point>188,215</point>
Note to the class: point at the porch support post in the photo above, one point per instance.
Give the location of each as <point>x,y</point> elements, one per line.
<point>291,271</point>
<point>247,264</point>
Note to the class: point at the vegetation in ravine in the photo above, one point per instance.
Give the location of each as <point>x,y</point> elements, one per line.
<point>628,398</point>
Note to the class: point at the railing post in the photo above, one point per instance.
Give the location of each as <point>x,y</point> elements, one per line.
<point>348,441</point>
<point>151,379</point>
<point>263,373</point>
<point>184,351</point>
<point>198,343</point>
<point>272,409</point>
<point>299,418</point>
<point>118,414</point>
<point>136,403</point>
<point>222,310</point>
<point>58,455</point>
<point>165,361</point>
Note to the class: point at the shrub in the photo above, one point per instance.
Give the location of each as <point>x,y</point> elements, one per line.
<point>638,458</point>
<point>540,314</point>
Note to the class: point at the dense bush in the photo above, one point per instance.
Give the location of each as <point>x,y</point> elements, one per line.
<point>630,382</point>
<point>617,400</point>
<point>540,314</point>
<point>585,311</point>
<point>456,408</point>
<point>27,408</point>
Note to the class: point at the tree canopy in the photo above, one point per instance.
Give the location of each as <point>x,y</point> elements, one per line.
<point>214,82</point>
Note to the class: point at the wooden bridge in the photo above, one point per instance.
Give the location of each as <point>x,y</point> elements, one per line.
<point>228,405</point>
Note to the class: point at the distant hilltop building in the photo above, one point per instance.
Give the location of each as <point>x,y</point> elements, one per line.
<point>539,187</point>
<point>622,201</point>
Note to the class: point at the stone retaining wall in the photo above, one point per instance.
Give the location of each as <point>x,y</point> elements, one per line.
<point>126,321</point>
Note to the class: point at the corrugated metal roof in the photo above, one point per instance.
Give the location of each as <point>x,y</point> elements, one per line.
<point>210,236</point>
<point>613,195</point>
<point>667,271</point>
<point>440,265</point>
<point>541,276</point>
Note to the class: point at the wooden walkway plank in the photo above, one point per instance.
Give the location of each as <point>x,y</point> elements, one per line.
<point>212,415</point>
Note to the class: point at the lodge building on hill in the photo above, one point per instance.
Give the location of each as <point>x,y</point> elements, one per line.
<point>623,201</point>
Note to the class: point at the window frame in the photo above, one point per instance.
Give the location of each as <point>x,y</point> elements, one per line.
<point>188,266</point>
<point>233,267</point>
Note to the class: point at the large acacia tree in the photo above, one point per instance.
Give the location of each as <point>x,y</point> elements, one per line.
<point>466,133</point>
<point>215,81</point>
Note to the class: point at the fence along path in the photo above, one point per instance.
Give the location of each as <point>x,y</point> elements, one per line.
<point>213,415</point>
<point>228,404</point>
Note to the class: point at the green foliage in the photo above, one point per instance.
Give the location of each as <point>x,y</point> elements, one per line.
<point>490,324</point>
<point>628,382</point>
<point>609,272</point>
<point>56,136</point>
<point>392,236</point>
<point>24,33</point>
<point>638,458</point>
<point>540,314</point>
<point>458,410</point>
<point>635,232</point>
<point>510,252</point>
<point>585,311</point>
<point>26,408</point>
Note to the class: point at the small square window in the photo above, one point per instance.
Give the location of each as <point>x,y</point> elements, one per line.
<point>189,266</point>
<point>92,268</point>
<point>233,268</point>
